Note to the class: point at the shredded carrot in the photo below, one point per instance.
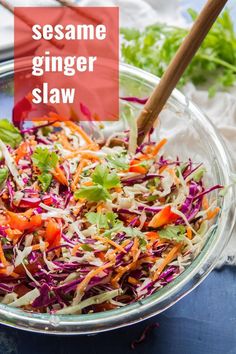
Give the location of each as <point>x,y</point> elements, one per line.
<point>135,249</point>
<point>144,157</point>
<point>60,176</point>
<point>87,183</point>
<point>89,156</point>
<point>121,272</point>
<point>133,281</point>
<point>65,142</point>
<point>212,213</point>
<point>112,243</point>
<point>80,151</point>
<point>136,167</point>
<point>14,275</point>
<point>82,286</point>
<point>71,156</point>
<point>125,243</point>
<point>112,253</point>
<point>189,233</point>
<point>80,167</point>
<point>100,207</point>
<point>38,246</point>
<point>75,249</point>
<point>205,203</point>
<point>158,147</point>
<point>101,255</point>
<point>160,244</point>
<point>162,169</point>
<point>13,235</point>
<point>21,151</point>
<point>2,256</point>
<point>148,259</point>
<point>76,128</point>
<point>168,259</point>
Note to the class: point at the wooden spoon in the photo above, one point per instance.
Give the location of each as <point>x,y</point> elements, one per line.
<point>176,68</point>
<point>27,20</point>
<point>79,10</point>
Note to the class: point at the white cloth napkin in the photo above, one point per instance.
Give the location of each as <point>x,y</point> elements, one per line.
<point>221,109</point>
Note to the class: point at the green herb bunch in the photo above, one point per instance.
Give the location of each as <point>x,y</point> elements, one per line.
<point>214,63</point>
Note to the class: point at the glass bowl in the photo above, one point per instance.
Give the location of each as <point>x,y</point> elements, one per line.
<point>190,134</point>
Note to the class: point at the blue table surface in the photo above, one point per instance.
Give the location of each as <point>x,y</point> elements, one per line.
<point>204,322</point>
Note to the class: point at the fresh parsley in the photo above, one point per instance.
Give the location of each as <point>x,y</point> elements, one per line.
<point>103,180</point>
<point>9,134</point>
<point>153,48</point>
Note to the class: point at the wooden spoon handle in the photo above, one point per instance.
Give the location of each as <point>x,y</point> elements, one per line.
<point>175,70</point>
<point>27,20</point>
<point>74,7</point>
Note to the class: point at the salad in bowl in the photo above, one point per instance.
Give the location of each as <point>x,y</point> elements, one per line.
<point>96,235</point>
<point>88,227</point>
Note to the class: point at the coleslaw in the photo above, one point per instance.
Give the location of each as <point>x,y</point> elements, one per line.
<point>86,227</point>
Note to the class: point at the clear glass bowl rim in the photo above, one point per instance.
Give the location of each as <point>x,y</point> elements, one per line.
<point>170,294</point>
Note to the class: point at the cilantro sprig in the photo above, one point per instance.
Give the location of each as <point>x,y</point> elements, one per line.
<point>3,175</point>
<point>118,161</point>
<point>153,48</point>
<point>9,134</point>
<point>173,233</point>
<point>45,161</point>
<point>103,220</point>
<point>108,224</point>
<point>103,181</point>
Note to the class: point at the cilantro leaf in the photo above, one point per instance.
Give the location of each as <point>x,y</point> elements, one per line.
<point>104,177</point>
<point>9,134</point>
<point>174,233</point>
<point>103,220</point>
<point>86,248</point>
<point>92,193</point>
<point>98,219</point>
<point>44,159</point>
<point>3,175</point>
<point>103,180</point>
<point>118,162</point>
<point>132,232</point>
<point>45,179</point>
<point>199,174</point>
<point>117,228</point>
